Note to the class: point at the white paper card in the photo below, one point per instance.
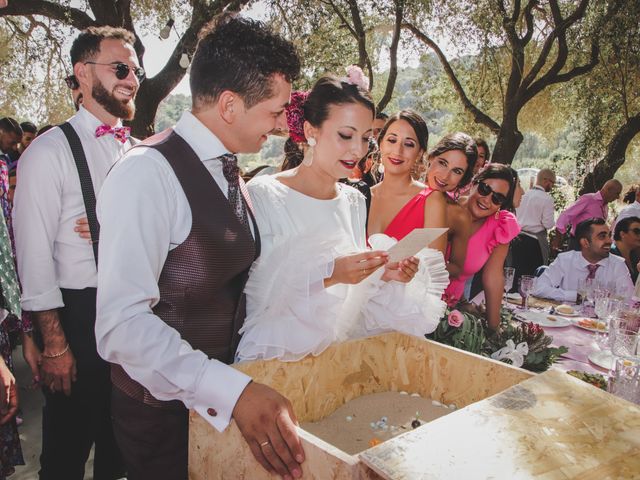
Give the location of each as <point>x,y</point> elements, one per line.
<point>415,241</point>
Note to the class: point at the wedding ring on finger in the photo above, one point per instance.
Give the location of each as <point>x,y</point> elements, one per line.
<point>264,444</point>
<point>364,272</point>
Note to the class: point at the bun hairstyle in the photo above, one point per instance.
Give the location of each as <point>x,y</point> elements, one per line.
<point>327,91</point>
<point>501,172</point>
<point>461,142</point>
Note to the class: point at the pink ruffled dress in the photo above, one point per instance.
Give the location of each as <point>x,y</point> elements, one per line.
<point>494,232</point>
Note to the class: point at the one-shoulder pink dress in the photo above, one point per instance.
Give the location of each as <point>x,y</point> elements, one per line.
<point>493,232</point>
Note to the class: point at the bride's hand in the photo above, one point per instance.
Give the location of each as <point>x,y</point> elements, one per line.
<point>402,271</point>
<point>356,267</point>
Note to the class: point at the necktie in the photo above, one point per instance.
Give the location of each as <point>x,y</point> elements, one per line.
<point>592,271</point>
<point>121,134</point>
<point>231,172</point>
<point>8,278</point>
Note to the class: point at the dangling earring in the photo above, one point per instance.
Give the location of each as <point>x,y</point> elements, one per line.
<point>456,195</point>
<point>381,169</point>
<point>308,156</point>
<point>497,215</point>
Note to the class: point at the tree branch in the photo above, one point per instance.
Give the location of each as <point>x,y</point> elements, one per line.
<point>478,115</point>
<point>393,56</point>
<point>65,14</point>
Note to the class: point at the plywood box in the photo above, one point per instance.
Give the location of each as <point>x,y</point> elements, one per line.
<point>317,386</point>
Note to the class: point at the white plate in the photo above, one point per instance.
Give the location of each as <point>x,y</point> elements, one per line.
<point>543,319</point>
<point>602,358</point>
<point>515,296</point>
<point>589,329</point>
<point>574,314</point>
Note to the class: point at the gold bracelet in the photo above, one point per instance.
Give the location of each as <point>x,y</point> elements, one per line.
<point>66,349</point>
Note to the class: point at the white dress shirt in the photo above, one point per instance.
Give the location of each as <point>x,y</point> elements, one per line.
<point>560,280</point>
<point>144,213</point>
<point>48,201</point>
<point>536,210</point>
<point>632,210</point>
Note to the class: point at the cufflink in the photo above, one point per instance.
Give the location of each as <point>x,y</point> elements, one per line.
<point>212,412</point>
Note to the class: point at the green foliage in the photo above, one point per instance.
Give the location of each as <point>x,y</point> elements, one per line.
<point>470,336</point>
<point>474,336</point>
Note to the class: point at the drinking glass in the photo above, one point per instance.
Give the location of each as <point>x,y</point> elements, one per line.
<point>624,380</point>
<point>525,287</point>
<point>509,273</point>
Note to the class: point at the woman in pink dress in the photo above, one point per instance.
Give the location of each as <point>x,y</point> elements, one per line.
<point>399,203</point>
<point>493,226</point>
<point>449,169</point>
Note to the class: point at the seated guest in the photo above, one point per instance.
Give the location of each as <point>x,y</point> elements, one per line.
<point>589,205</point>
<point>536,217</point>
<point>627,243</point>
<point>560,281</point>
<point>493,226</point>
<point>632,197</point>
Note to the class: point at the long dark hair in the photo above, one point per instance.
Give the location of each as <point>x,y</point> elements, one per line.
<point>462,142</point>
<point>501,172</point>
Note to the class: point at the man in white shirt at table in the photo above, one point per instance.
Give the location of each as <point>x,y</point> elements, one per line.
<point>593,261</point>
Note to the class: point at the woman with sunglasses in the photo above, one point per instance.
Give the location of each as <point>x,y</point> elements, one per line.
<point>493,226</point>
<point>450,168</point>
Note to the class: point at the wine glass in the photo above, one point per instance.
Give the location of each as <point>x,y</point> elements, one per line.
<point>526,285</point>
<point>509,273</point>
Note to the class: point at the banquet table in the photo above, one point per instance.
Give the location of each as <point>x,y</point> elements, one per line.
<point>580,342</point>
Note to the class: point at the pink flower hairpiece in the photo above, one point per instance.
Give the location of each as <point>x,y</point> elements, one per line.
<point>295,116</point>
<point>355,76</point>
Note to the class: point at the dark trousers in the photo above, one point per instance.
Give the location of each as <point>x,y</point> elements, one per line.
<point>153,440</point>
<point>526,257</point>
<point>72,425</point>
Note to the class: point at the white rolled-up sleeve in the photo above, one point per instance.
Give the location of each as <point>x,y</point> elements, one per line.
<point>36,214</point>
<point>137,213</point>
<point>549,284</point>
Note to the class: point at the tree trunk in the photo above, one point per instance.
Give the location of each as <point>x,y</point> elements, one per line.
<point>614,158</point>
<point>507,144</point>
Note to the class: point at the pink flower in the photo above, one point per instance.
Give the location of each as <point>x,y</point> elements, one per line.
<point>355,76</point>
<point>455,318</point>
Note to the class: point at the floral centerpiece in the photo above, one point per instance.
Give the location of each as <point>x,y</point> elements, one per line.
<point>520,344</point>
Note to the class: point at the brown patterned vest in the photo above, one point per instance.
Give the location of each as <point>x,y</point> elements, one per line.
<point>202,281</point>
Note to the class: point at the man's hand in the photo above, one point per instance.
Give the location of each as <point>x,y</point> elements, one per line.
<point>58,373</point>
<point>267,422</point>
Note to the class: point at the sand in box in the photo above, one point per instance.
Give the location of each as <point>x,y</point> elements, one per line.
<point>370,419</point>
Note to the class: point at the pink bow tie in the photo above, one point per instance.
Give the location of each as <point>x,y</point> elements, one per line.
<point>119,133</point>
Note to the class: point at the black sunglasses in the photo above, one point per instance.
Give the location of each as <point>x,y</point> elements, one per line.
<point>497,198</point>
<point>122,70</point>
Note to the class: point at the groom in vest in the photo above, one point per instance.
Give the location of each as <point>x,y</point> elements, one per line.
<point>177,240</point>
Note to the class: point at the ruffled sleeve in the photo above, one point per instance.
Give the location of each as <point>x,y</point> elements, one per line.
<point>287,316</point>
<point>505,229</point>
<point>414,308</point>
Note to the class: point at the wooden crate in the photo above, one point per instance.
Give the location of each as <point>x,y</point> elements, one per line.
<point>317,386</point>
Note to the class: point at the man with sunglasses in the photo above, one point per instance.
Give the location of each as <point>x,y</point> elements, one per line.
<point>592,262</point>
<point>60,175</point>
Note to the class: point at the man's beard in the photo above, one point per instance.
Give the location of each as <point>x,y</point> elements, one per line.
<point>118,108</point>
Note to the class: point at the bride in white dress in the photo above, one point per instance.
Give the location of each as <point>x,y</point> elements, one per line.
<point>315,281</point>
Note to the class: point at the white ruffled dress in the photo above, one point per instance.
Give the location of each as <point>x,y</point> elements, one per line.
<point>289,312</point>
